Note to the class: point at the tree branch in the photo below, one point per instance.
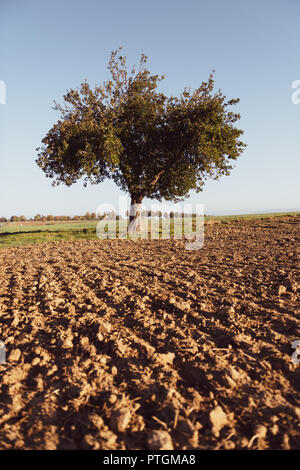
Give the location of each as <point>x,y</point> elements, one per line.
<point>154,181</point>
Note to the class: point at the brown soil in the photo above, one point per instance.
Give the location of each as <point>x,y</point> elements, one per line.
<point>143,344</point>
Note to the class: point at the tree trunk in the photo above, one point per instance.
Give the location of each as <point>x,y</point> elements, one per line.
<point>135,206</point>
<point>135,217</point>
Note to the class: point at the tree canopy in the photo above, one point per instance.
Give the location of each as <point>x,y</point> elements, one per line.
<point>149,144</point>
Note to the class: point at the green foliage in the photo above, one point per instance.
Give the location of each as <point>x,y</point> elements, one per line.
<point>149,144</point>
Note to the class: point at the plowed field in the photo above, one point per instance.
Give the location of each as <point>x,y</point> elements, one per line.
<point>121,344</point>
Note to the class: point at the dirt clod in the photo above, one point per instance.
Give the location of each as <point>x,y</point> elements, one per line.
<point>160,440</point>
<point>281,290</point>
<point>119,420</point>
<point>218,420</point>
<point>14,355</point>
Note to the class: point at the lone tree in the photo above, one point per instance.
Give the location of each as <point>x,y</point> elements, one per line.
<point>149,144</point>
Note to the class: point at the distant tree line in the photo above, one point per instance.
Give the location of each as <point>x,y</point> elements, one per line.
<point>50,218</point>
<point>110,215</point>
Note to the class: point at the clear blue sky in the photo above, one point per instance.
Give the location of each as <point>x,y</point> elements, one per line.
<point>49,46</point>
